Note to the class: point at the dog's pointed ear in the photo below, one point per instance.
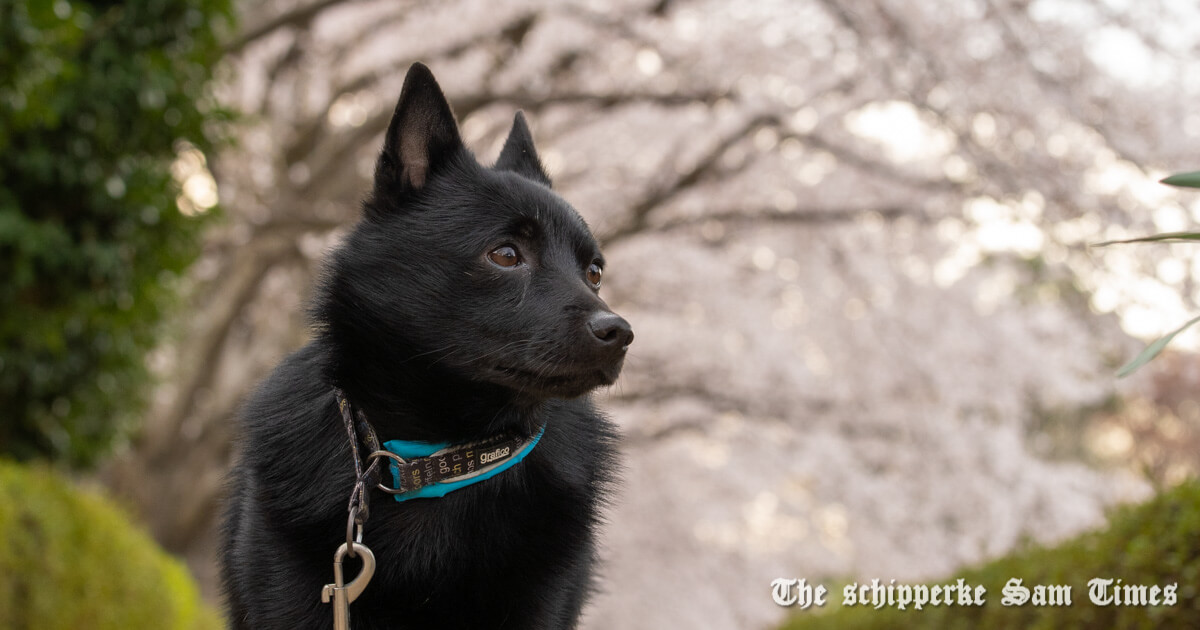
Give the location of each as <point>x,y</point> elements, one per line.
<point>422,132</point>
<point>518,154</point>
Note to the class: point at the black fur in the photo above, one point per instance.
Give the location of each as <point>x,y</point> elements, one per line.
<point>436,342</point>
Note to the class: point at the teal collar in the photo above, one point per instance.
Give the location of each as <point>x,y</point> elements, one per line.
<point>427,470</point>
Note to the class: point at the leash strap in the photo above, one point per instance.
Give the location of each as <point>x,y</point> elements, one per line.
<point>339,593</point>
<point>364,479</point>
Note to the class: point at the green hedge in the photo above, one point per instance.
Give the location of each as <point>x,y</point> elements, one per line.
<point>69,560</point>
<point>96,101</point>
<point>1157,543</point>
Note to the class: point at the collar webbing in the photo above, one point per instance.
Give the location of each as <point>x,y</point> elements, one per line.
<point>426,469</point>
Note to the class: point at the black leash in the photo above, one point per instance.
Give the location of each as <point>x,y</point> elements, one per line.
<point>339,593</point>
<point>359,507</point>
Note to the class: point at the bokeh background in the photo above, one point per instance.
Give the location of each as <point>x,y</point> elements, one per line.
<point>853,238</point>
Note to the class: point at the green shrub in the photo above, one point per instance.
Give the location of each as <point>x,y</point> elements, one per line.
<point>95,100</point>
<point>69,560</point>
<point>1157,543</point>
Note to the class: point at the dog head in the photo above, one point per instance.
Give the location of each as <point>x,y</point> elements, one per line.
<point>480,273</point>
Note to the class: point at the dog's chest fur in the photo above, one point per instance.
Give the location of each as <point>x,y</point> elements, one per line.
<point>494,555</point>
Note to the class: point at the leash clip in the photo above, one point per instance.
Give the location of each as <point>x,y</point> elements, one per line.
<point>340,593</point>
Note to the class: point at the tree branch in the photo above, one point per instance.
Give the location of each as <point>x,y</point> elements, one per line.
<point>810,216</point>
<point>237,289</point>
<point>299,17</point>
<point>340,148</point>
<point>311,134</point>
<point>638,217</point>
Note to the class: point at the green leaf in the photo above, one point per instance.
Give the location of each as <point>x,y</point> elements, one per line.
<point>83,297</point>
<point>1165,236</point>
<point>1152,351</point>
<point>1187,180</point>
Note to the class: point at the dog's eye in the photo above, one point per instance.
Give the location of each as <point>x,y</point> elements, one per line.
<point>594,273</point>
<point>505,256</point>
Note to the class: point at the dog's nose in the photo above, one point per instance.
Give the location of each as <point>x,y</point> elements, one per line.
<point>610,329</point>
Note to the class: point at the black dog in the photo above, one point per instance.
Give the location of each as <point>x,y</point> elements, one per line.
<point>462,308</point>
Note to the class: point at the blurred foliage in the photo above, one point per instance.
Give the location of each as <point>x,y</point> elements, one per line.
<point>1190,179</point>
<point>70,560</point>
<point>1153,350</point>
<point>1151,544</point>
<point>96,99</point>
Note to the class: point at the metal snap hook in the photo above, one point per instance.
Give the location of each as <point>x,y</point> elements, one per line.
<point>354,531</point>
<point>342,594</point>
